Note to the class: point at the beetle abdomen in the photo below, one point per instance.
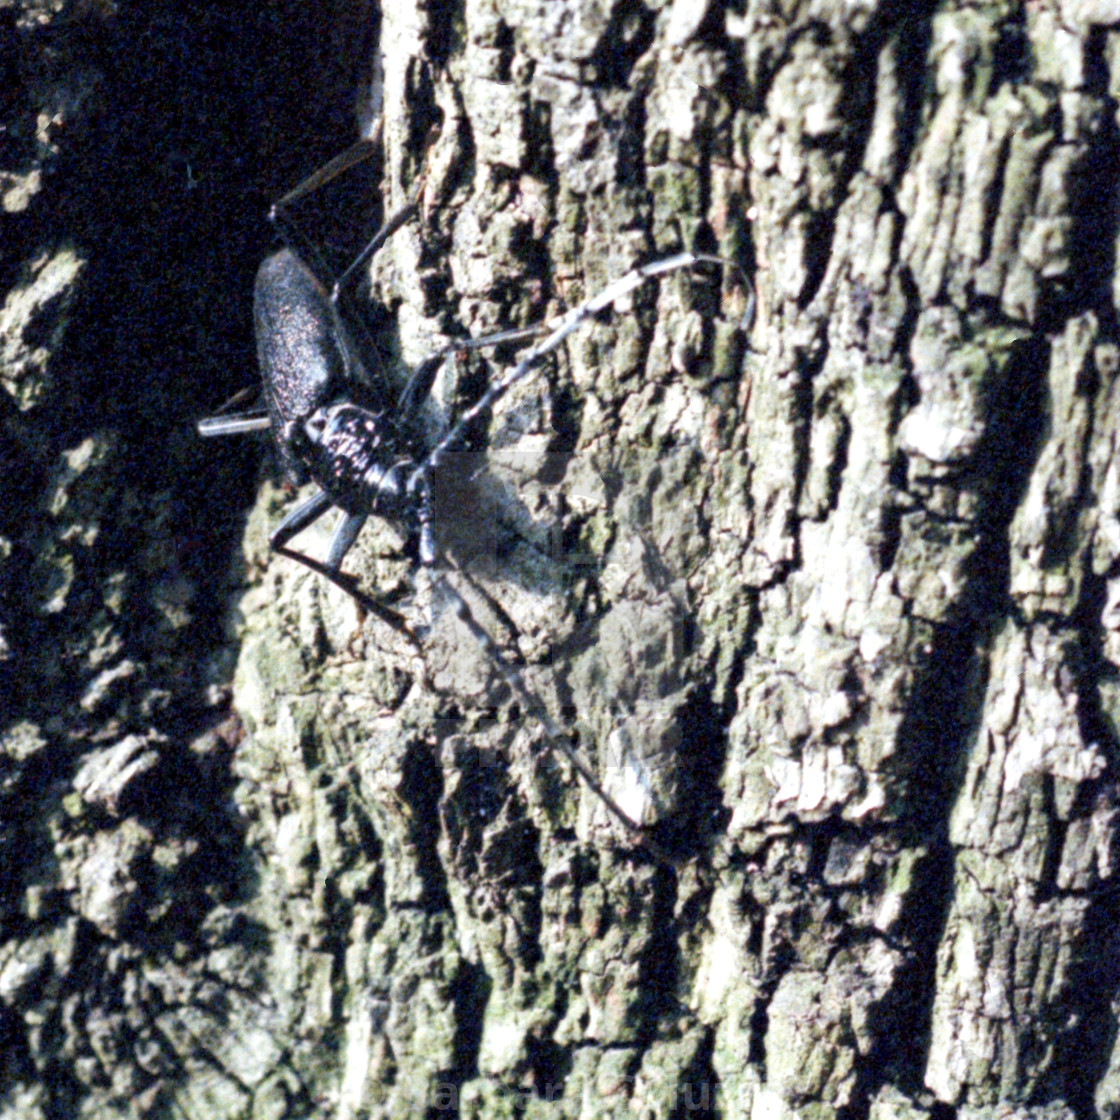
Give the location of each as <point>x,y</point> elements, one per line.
<point>300,355</point>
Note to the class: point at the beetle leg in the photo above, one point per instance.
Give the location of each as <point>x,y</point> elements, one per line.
<point>355,154</point>
<point>345,534</point>
<point>303,515</point>
<point>232,424</point>
<point>349,584</point>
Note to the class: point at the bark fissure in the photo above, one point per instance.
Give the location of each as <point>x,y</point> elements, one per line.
<point>829,592</point>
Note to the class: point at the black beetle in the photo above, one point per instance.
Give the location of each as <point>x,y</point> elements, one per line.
<point>371,458</point>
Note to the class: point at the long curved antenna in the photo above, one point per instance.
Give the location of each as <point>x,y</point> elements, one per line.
<point>560,328</point>
<point>555,739</point>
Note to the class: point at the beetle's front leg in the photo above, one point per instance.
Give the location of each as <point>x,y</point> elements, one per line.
<point>344,581</point>
<point>305,514</point>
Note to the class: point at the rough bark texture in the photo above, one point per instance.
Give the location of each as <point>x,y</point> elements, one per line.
<point>833,602</point>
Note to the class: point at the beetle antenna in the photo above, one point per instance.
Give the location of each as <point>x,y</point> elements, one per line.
<point>555,739</point>
<point>560,328</point>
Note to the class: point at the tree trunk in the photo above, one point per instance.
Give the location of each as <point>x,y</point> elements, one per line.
<point>815,555</point>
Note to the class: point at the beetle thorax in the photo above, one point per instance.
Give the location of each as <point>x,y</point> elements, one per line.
<point>354,455</point>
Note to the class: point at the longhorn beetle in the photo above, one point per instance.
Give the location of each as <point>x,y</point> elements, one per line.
<point>373,460</point>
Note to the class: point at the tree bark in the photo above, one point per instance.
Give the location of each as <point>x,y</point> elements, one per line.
<point>816,556</point>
